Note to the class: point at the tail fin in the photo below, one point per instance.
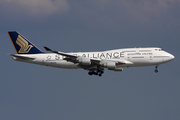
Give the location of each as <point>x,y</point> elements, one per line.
<point>22,45</point>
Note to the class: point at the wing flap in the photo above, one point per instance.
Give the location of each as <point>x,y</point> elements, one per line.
<point>117,61</point>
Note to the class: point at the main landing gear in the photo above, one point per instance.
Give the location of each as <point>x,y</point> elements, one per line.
<point>97,72</point>
<point>156,70</point>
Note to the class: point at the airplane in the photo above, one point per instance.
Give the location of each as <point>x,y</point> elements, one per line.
<point>94,62</point>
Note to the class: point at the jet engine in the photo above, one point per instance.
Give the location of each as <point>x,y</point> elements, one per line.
<point>118,69</point>
<point>84,61</point>
<point>112,66</point>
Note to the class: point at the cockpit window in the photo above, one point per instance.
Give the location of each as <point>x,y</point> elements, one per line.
<point>160,49</point>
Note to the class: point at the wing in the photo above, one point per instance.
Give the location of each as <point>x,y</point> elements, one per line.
<point>88,63</point>
<point>60,53</point>
<point>85,63</point>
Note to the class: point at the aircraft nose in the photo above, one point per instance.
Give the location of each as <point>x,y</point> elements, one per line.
<point>168,57</point>
<point>172,56</point>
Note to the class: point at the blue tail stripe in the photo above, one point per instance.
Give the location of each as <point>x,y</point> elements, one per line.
<point>22,45</point>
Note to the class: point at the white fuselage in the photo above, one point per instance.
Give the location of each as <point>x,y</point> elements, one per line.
<point>137,56</point>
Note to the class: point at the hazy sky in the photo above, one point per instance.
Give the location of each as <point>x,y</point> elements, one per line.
<point>33,92</point>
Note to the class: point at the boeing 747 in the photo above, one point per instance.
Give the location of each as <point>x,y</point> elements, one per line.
<point>94,62</point>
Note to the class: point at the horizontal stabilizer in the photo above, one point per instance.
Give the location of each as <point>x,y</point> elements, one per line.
<point>21,57</point>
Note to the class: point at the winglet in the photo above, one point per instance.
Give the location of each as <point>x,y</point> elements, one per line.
<point>47,49</point>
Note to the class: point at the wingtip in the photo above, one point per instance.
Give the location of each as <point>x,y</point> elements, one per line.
<point>47,49</point>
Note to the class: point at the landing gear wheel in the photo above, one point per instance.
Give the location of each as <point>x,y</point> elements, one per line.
<point>102,72</point>
<point>97,72</point>
<point>90,73</point>
<point>156,71</point>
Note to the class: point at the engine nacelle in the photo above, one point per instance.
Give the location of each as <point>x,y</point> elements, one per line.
<point>112,66</point>
<point>118,69</point>
<point>84,61</point>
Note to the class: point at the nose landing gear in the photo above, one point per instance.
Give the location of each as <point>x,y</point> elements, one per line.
<point>156,70</point>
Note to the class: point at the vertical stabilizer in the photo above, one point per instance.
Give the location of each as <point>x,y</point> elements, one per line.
<point>22,45</point>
